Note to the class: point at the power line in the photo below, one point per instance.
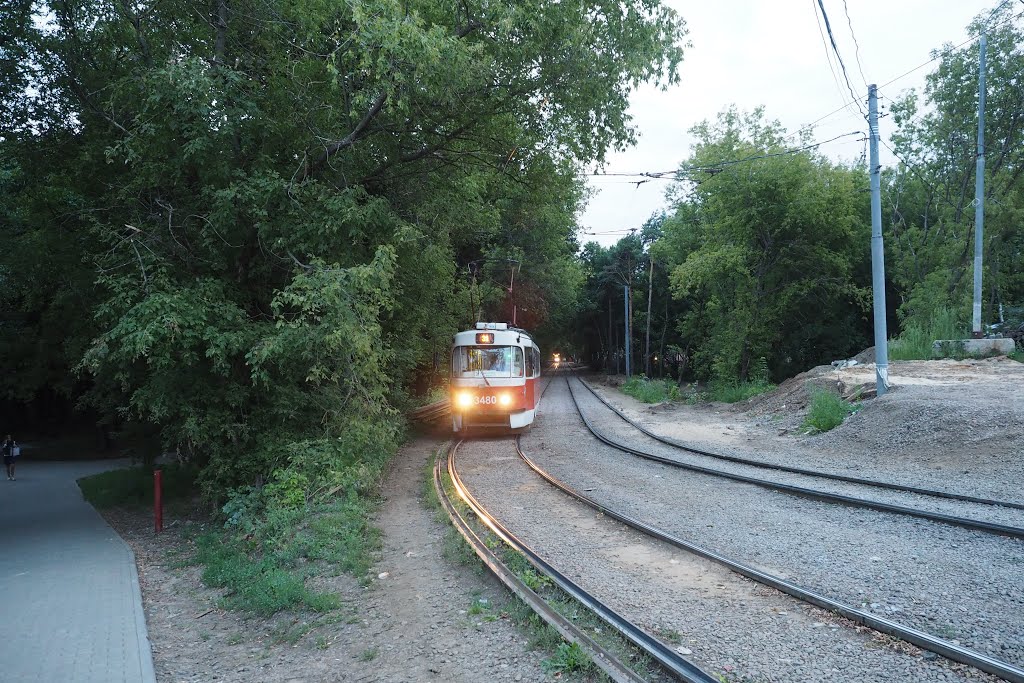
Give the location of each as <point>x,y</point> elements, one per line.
<point>856,45</point>
<point>938,56</point>
<point>828,55</point>
<point>949,51</point>
<point>835,48</point>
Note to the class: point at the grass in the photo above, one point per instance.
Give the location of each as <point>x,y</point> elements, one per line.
<point>827,411</point>
<point>1017,355</point>
<point>670,635</point>
<point>260,585</point>
<point>134,486</point>
<point>264,572</point>
<point>651,390</point>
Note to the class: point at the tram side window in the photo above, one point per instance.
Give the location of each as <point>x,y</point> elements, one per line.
<point>535,352</point>
<point>517,361</point>
<point>529,362</point>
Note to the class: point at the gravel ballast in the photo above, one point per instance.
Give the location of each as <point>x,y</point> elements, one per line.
<point>729,625</point>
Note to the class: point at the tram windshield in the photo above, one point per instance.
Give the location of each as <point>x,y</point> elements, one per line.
<point>487,361</point>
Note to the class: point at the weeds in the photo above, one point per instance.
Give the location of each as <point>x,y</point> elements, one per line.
<point>479,606</point>
<point>827,411</point>
<point>917,338</point>
<point>736,391</point>
<point>670,635</point>
<point>369,654</point>
<point>568,657</point>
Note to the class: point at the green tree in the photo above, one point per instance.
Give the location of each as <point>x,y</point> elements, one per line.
<point>929,196</point>
<point>261,212</point>
<point>768,249</point>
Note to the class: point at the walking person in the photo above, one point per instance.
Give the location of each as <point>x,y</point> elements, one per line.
<point>11,451</point>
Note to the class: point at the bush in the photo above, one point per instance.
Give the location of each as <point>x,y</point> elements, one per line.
<point>651,390</point>
<point>134,486</point>
<point>735,391</point>
<point>827,411</point>
<point>312,516</point>
<point>915,342</point>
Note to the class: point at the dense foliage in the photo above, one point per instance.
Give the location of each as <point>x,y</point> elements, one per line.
<point>929,203</point>
<point>761,268</point>
<point>245,229</point>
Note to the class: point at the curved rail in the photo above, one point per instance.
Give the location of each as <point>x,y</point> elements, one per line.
<point>797,470</point>
<point>803,492</point>
<point>665,656</point>
<point>921,639</point>
<point>607,662</point>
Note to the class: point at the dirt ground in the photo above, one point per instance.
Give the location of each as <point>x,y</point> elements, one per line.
<point>939,418</point>
<point>412,623</point>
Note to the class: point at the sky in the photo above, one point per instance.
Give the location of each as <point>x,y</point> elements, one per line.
<point>771,53</point>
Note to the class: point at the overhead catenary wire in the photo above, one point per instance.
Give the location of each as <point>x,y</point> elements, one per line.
<point>939,55</point>
<point>717,166</point>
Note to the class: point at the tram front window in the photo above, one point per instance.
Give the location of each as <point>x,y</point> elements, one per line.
<point>487,361</point>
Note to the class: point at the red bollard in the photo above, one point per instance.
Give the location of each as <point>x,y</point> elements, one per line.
<point>158,499</point>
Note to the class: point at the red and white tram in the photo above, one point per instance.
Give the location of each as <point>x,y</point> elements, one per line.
<point>495,373</point>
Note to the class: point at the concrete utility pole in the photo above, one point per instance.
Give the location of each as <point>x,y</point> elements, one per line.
<point>979,191</point>
<point>877,252</point>
<point>625,301</point>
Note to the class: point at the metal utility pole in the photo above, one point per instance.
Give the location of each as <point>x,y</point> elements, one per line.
<point>877,252</point>
<point>625,301</point>
<point>979,191</point>
<point>647,339</point>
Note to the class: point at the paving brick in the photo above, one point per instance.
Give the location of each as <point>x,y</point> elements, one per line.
<point>70,604</point>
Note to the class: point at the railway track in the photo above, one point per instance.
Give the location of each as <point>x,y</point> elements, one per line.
<point>802,491</point>
<point>671,661</point>
<point>926,641</point>
<point>797,470</point>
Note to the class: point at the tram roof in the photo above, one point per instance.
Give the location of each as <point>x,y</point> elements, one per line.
<point>504,334</point>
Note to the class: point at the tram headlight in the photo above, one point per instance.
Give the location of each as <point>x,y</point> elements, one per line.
<point>505,400</point>
<point>464,399</point>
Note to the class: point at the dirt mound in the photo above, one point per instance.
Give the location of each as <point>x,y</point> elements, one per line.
<point>795,393</point>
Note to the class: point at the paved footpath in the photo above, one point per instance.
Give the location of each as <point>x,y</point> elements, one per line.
<point>70,604</point>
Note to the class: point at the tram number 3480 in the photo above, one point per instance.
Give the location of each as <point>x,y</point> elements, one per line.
<point>486,400</point>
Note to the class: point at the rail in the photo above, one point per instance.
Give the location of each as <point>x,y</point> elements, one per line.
<point>803,492</point>
<point>926,641</point>
<point>665,656</point>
